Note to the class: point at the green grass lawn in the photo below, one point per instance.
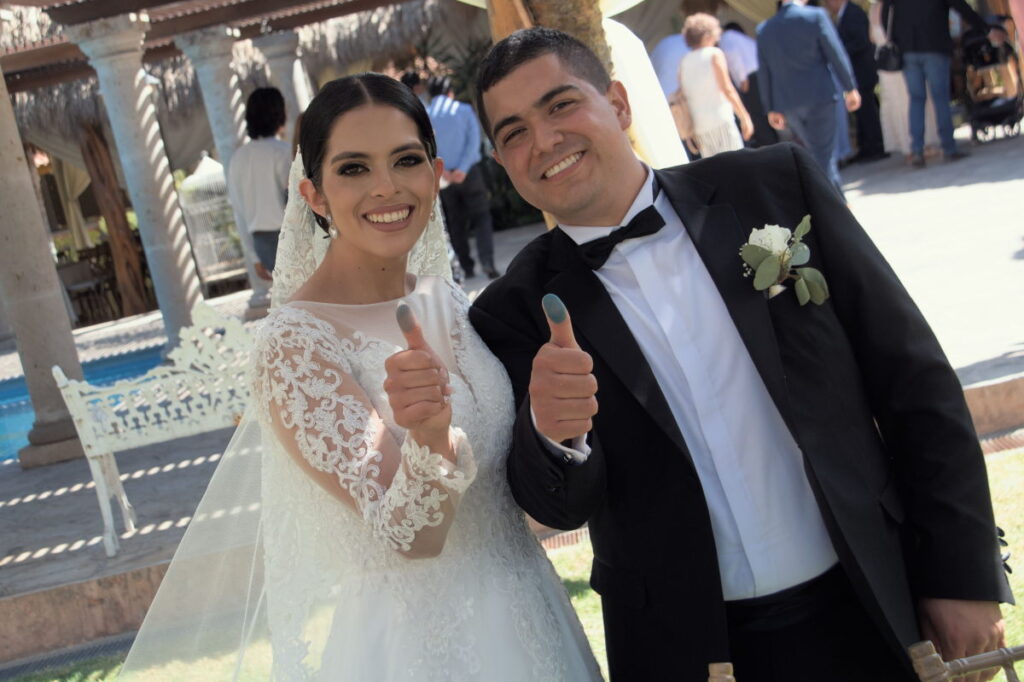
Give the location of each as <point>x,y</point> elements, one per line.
<point>1006,474</point>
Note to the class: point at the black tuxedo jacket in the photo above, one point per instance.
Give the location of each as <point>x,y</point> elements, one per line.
<point>861,382</point>
<point>855,32</point>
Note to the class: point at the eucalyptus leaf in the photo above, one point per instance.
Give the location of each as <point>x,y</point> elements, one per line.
<point>767,273</point>
<point>803,228</point>
<point>801,253</point>
<point>753,255</point>
<point>816,284</point>
<point>802,294</point>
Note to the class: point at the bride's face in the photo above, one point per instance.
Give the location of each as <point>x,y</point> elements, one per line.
<point>378,182</point>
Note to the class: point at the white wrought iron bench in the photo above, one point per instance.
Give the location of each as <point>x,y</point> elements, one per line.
<point>201,388</point>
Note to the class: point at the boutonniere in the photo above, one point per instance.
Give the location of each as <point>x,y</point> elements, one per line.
<point>773,255</point>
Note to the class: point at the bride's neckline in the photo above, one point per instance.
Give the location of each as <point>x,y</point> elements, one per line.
<point>412,283</point>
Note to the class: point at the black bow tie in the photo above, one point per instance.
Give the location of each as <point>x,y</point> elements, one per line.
<point>646,222</point>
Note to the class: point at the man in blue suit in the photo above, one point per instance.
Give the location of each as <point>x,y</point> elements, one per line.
<point>798,51</point>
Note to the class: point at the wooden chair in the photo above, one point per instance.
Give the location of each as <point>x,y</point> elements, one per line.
<point>720,672</point>
<point>930,667</point>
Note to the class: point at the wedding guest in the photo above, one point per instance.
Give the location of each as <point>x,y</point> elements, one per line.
<point>412,80</point>
<point>741,57</point>
<point>466,203</point>
<point>709,92</point>
<point>921,30</point>
<point>258,175</point>
<point>798,51</point>
<point>665,58</point>
<point>894,102</point>
<point>853,27</point>
<point>797,489</point>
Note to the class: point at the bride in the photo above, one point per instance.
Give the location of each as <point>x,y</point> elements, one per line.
<point>365,528</point>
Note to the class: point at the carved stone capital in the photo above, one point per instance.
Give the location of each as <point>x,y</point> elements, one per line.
<point>284,44</point>
<point>214,43</point>
<point>111,36</point>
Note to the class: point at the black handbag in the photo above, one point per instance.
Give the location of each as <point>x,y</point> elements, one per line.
<point>888,57</point>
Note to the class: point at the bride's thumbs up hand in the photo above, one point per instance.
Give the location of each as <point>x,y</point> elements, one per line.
<point>417,385</point>
<point>562,387</point>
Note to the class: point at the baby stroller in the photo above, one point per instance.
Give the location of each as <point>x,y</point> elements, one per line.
<point>995,96</point>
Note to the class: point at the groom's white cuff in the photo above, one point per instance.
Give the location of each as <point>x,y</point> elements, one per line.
<point>577,454</point>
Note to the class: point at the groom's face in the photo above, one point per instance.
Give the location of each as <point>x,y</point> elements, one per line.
<point>562,142</point>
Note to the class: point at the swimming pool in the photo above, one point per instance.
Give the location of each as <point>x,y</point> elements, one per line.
<point>16,414</point>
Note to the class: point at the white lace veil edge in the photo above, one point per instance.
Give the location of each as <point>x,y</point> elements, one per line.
<point>209,620</point>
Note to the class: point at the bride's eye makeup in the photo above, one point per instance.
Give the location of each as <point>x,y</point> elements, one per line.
<point>351,169</point>
<point>410,160</point>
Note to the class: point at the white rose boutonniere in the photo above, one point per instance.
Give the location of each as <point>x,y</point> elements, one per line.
<point>773,255</point>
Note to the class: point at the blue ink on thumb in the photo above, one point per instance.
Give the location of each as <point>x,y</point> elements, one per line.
<point>406,318</point>
<point>554,308</point>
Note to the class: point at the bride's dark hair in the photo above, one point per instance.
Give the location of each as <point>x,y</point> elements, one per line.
<point>343,95</point>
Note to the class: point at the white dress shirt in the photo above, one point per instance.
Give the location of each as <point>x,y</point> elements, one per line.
<point>740,54</point>
<point>769,533</point>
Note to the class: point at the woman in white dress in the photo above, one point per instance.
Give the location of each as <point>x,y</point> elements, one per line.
<point>388,546</point>
<point>708,90</point>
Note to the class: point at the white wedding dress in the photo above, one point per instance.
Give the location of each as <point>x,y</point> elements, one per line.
<point>352,602</point>
<point>330,547</point>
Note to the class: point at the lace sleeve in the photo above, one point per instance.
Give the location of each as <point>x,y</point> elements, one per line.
<point>323,418</point>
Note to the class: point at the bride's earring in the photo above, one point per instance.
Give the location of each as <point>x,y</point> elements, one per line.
<point>331,229</point>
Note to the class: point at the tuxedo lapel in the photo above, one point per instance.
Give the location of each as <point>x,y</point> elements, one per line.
<point>718,236</point>
<point>598,322</point>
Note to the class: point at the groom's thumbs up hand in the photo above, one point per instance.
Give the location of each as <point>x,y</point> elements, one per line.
<point>562,386</point>
<point>417,384</point>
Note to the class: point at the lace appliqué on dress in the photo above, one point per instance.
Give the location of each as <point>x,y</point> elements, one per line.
<point>316,408</point>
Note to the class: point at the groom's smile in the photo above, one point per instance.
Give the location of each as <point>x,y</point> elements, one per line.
<point>562,166</point>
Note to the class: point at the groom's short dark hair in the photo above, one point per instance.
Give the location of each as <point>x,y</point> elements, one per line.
<point>529,43</point>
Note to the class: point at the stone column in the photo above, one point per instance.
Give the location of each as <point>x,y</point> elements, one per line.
<point>5,327</point>
<point>281,53</point>
<point>209,50</point>
<point>31,294</point>
<point>114,48</point>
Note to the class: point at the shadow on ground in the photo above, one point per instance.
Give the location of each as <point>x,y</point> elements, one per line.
<point>998,367</point>
<point>990,163</point>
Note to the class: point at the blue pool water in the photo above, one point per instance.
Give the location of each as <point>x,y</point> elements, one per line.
<point>16,415</point>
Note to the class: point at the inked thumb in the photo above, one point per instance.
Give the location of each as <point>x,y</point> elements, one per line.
<point>559,322</point>
<point>410,327</point>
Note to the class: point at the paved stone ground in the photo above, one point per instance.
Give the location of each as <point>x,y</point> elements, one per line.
<point>953,232</point>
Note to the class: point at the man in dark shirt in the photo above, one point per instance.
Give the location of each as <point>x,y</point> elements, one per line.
<point>921,30</point>
<point>854,28</point>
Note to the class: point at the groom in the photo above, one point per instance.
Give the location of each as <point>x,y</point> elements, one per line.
<point>795,489</point>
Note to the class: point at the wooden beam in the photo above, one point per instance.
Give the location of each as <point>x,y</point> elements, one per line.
<point>64,61</point>
<point>239,11</point>
<point>34,79</point>
<point>89,10</point>
<point>55,74</point>
<point>35,57</point>
<point>315,16</point>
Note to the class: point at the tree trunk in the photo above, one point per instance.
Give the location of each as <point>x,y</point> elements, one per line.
<point>508,16</point>
<point>127,267</point>
<point>580,18</point>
